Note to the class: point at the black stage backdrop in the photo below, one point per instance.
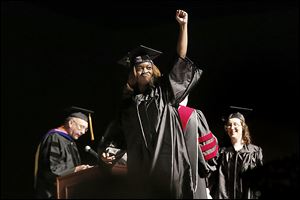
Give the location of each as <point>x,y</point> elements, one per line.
<point>56,54</point>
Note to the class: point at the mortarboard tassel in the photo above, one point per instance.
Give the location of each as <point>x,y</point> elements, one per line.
<point>91,127</point>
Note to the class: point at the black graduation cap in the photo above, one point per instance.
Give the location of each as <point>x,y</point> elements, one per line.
<point>237,112</point>
<point>138,55</point>
<point>81,113</point>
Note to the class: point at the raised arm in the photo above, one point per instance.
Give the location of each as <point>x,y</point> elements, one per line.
<point>184,74</point>
<point>182,19</point>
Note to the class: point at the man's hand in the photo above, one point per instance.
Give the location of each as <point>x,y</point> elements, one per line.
<point>82,167</point>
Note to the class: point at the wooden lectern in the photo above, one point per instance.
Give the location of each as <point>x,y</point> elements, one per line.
<point>93,183</point>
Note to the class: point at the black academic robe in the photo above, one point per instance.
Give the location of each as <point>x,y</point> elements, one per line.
<point>150,126</point>
<point>230,180</point>
<point>202,148</point>
<point>58,156</point>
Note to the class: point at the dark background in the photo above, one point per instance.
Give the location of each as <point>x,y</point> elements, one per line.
<point>55,54</point>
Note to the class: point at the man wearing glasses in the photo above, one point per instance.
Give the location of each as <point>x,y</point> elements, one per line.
<point>57,153</point>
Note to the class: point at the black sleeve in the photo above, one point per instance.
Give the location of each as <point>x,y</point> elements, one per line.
<point>113,135</point>
<point>183,77</point>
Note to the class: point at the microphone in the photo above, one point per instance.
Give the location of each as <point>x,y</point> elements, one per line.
<point>91,151</point>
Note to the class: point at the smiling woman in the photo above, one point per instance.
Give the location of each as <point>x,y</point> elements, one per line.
<point>237,130</point>
<point>148,125</point>
<point>234,161</point>
<point>144,73</point>
<point>143,70</point>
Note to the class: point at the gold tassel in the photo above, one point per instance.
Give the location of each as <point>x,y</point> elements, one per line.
<point>91,127</point>
<point>36,165</point>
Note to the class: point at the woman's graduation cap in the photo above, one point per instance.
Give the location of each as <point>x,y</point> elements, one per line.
<point>81,113</point>
<point>139,55</point>
<point>237,112</point>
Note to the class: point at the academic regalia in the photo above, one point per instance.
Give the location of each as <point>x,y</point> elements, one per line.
<point>57,153</point>
<point>151,130</point>
<point>58,156</point>
<point>202,148</point>
<point>230,181</point>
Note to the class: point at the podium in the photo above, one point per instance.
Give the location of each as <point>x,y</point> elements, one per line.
<point>94,182</point>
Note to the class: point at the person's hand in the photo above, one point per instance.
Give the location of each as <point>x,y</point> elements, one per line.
<point>181,17</point>
<point>82,167</point>
<point>108,158</point>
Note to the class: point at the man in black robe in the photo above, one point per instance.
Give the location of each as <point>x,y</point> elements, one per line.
<point>149,128</point>
<point>202,147</point>
<point>57,153</point>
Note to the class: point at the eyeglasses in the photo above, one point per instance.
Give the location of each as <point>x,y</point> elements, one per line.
<point>233,125</point>
<point>81,127</point>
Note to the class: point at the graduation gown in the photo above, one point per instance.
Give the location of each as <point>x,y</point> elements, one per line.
<point>202,148</point>
<point>151,130</point>
<point>230,180</point>
<point>58,156</point>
